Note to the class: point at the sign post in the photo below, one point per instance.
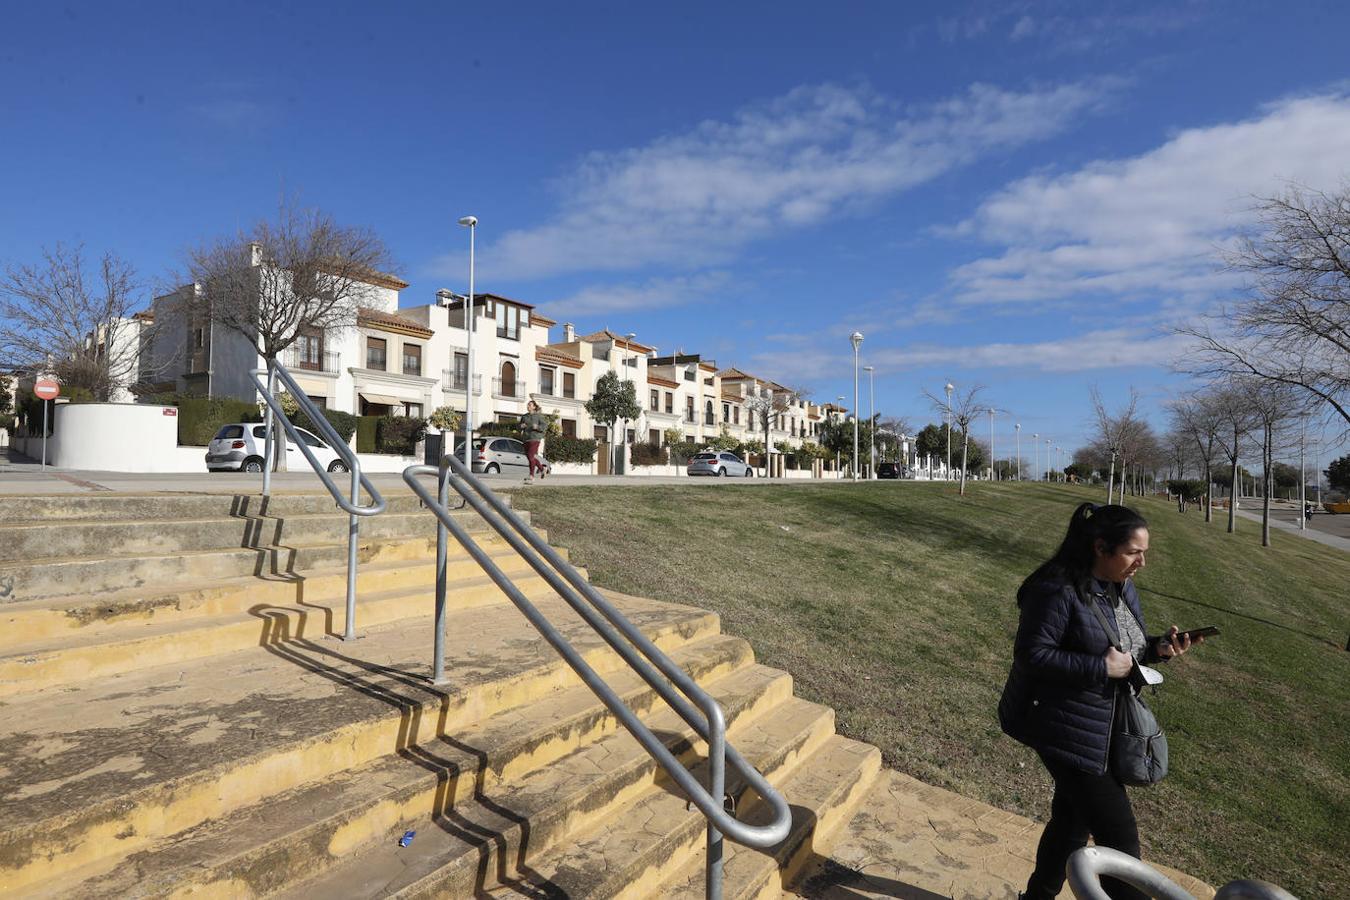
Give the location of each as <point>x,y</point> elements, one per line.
<point>45,390</point>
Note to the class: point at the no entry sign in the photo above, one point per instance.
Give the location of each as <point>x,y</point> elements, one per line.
<point>46,389</point>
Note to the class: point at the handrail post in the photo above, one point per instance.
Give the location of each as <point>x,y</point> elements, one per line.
<point>269,429</point>
<point>443,496</point>
<point>353,528</point>
<point>717,786</point>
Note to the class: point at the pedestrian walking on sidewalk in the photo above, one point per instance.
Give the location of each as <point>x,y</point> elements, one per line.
<point>533,427</point>
<point>1061,694</point>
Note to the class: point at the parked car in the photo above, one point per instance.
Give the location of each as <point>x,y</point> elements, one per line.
<point>239,447</point>
<point>499,455</point>
<point>719,463</point>
<point>890,470</point>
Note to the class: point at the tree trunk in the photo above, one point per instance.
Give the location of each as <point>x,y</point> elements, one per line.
<point>1209,494</point>
<point>1267,458</point>
<point>1111,479</point>
<point>1232,494</point>
<point>965,445</point>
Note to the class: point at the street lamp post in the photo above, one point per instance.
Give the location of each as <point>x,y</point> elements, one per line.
<point>471,223</point>
<point>872,420</point>
<point>1017,432</point>
<point>1047,459</point>
<point>856,339</point>
<point>622,443</point>
<point>1036,456</point>
<point>947,474</point>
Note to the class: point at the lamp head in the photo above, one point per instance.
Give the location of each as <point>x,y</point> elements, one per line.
<point>856,338</point>
<point>950,387</point>
<point>869,368</point>
<point>469,221</point>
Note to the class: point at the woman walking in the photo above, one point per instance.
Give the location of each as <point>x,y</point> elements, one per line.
<point>1061,692</point>
<point>533,427</point>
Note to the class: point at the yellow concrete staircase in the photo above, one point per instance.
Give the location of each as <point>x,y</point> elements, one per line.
<point>178,717</point>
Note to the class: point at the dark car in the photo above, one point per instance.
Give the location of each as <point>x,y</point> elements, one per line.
<point>890,470</point>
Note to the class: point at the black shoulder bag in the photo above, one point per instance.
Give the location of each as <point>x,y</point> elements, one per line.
<point>1138,754</point>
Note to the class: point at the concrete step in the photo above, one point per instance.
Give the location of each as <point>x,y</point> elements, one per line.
<point>53,619</point>
<point>910,839</point>
<point>108,767</point>
<point>301,834</point>
<point>638,851</point>
<point>41,578</point>
<point>108,652</point>
<point>117,506</point>
<point>824,791</point>
<point>50,541</point>
<point>496,839</point>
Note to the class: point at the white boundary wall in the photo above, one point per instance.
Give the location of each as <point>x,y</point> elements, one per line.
<point>118,437</point>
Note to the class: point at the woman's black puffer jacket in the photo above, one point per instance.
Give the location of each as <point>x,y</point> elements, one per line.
<point>1058,700</point>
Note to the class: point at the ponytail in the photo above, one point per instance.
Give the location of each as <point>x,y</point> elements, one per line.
<point>1073,561</point>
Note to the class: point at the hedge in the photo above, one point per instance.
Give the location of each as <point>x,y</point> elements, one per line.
<point>497,429</point>
<point>399,434</point>
<point>365,433</point>
<point>343,423</point>
<point>199,418</point>
<point>570,450</point>
<point>650,453</point>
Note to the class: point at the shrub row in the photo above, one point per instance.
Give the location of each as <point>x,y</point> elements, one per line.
<point>570,450</point>
<point>650,454</point>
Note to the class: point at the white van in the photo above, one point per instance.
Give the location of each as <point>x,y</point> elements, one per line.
<point>239,448</point>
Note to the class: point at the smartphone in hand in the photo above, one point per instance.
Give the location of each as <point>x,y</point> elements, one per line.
<point>1207,631</point>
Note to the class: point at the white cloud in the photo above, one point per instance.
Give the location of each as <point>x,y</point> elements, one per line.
<point>1107,348</point>
<point>656,293</point>
<point>695,199</point>
<point>1152,226</point>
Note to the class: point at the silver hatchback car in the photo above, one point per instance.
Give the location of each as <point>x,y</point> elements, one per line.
<point>498,455</point>
<point>719,463</point>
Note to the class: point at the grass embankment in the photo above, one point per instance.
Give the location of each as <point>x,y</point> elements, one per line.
<point>893,603</point>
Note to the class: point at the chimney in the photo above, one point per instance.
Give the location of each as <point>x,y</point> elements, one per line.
<point>255,253</point>
<point>443,297</point>
<point>569,333</point>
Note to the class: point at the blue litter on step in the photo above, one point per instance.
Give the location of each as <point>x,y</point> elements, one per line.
<point>407,838</point>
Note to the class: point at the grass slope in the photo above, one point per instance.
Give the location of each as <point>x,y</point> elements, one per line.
<point>893,603</point>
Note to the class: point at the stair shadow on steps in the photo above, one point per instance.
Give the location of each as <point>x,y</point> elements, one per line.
<point>309,656</point>
<point>834,881</point>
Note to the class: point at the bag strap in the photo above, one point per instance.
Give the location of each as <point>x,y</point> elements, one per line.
<point>1096,608</point>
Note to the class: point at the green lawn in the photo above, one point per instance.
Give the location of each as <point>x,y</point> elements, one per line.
<point>893,603</point>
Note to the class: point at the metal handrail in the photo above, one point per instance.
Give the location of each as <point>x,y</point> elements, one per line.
<point>275,370</point>
<point>1087,865</point>
<point>703,714</point>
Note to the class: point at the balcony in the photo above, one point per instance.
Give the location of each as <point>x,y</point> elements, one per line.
<point>709,419</point>
<point>508,389</point>
<point>690,418</point>
<point>455,381</point>
<point>327,363</point>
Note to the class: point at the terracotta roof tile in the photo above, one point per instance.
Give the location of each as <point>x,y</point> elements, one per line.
<point>663,382</point>
<point>376,318</point>
<point>548,354</point>
<point>607,335</point>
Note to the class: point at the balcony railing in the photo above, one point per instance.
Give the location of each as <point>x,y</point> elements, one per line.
<point>690,418</point>
<point>709,419</point>
<point>508,388</point>
<point>292,360</point>
<point>455,381</point>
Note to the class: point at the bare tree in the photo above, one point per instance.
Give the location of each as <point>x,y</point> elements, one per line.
<point>767,403</point>
<point>1294,326</point>
<point>59,317</point>
<point>1198,417</point>
<point>1116,432</point>
<point>1271,405</point>
<point>965,410</point>
<point>300,273</point>
<point>1235,423</point>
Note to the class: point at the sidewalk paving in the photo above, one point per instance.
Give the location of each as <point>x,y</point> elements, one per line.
<point>1286,523</point>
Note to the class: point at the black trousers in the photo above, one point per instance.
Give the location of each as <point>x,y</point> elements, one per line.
<point>1084,805</point>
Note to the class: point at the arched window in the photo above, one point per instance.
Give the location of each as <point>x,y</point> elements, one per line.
<point>709,417</point>
<point>508,379</point>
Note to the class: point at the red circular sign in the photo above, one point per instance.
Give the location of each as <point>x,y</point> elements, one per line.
<point>46,389</point>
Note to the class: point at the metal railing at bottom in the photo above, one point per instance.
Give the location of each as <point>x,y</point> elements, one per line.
<point>668,680</point>
<point>1087,866</point>
<point>353,507</point>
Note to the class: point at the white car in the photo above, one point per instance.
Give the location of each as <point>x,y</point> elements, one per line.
<point>239,448</point>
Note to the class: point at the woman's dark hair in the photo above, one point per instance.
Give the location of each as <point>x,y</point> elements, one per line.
<point>1072,563</point>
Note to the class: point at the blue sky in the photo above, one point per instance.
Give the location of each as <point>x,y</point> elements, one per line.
<point>1019,195</point>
